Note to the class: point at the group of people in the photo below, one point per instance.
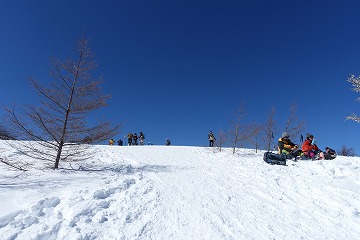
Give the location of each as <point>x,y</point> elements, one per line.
<point>134,139</point>
<point>131,138</point>
<point>309,149</point>
<point>112,141</point>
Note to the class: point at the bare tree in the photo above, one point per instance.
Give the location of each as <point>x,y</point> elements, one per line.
<point>222,138</point>
<point>254,131</point>
<point>270,128</point>
<point>355,82</point>
<point>236,132</point>
<point>346,151</point>
<point>58,129</point>
<point>294,126</point>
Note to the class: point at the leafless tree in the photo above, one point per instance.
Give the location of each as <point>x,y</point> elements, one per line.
<point>221,140</point>
<point>269,129</point>
<point>294,126</point>
<point>355,82</point>
<point>346,151</point>
<point>254,132</point>
<point>57,130</point>
<point>236,133</point>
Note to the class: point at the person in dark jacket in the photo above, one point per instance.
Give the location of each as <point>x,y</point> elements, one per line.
<point>135,138</point>
<point>130,137</point>
<point>211,138</point>
<point>329,153</point>
<point>168,143</point>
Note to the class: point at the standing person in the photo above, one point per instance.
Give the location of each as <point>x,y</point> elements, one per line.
<point>211,138</point>
<point>310,149</point>
<point>301,138</point>
<point>111,142</point>
<point>142,137</point>
<point>168,143</point>
<point>135,138</point>
<point>130,137</point>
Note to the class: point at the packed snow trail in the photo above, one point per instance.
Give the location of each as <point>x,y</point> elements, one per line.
<point>170,192</point>
<point>226,197</point>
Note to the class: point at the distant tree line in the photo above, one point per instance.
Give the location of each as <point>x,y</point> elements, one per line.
<point>261,135</point>
<point>257,135</point>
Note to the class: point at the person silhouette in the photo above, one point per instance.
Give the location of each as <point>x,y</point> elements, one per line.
<point>211,139</point>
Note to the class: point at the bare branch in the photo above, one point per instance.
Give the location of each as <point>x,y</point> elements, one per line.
<point>237,134</point>
<point>293,126</point>
<point>222,139</point>
<point>353,117</point>
<point>355,82</point>
<point>270,128</point>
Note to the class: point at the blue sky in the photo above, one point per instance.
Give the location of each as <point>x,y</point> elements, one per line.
<point>178,69</point>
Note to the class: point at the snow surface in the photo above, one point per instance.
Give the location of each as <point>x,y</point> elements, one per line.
<point>175,192</point>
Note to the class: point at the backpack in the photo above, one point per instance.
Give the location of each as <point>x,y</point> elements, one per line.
<point>332,151</point>
<point>274,158</point>
<point>211,136</point>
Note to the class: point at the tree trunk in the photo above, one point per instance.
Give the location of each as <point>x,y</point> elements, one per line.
<point>58,155</point>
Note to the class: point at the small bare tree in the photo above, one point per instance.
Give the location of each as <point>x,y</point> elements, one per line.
<point>221,140</point>
<point>355,82</point>
<point>254,131</point>
<point>58,129</point>
<point>270,128</point>
<point>236,133</point>
<point>346,151</point>
<point>294,126</point>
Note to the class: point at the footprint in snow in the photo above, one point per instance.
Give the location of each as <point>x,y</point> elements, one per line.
<point>25,218</point>
<point>105,193</point>
<point>38,209</point>
<point>356,213</point>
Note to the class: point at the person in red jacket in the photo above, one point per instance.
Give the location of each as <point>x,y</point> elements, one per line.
<point>310,149</point>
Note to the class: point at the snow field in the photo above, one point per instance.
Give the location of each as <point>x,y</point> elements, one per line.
<point>174,192</point>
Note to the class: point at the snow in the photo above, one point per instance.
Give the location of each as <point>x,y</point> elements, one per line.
<point>178,192</point>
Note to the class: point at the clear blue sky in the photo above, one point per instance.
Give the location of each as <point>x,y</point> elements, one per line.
<point>178,69</point>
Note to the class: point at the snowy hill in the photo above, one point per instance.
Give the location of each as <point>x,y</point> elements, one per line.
<point>159,192</point>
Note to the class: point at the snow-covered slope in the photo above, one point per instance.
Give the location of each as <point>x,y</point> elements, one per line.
<point>160,192</point>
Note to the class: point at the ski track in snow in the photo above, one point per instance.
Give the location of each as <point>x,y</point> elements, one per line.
<point>159,192</point>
